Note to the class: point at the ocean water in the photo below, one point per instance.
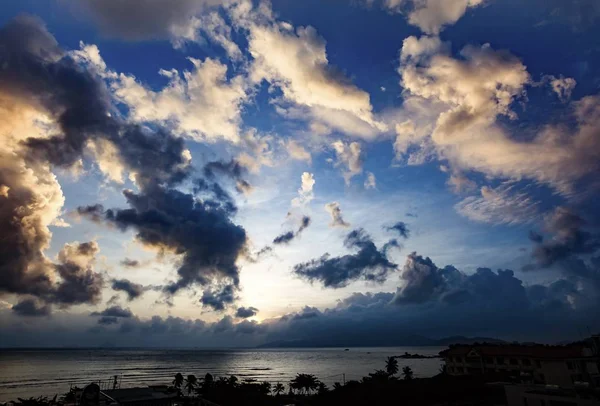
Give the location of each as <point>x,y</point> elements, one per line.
<point>25,373</point>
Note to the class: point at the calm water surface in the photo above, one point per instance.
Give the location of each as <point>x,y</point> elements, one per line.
<point>25,373</point>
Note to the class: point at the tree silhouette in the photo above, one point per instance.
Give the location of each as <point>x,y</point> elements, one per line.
<point>407,372</point>
<point>192,381</point>
<point>305,383</point>
<point>178,381</point>
<point>278,389</point>
<point>322,388</point>
<point>391,366</point>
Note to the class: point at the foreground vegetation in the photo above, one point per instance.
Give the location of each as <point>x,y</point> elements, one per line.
<point>382,387</point>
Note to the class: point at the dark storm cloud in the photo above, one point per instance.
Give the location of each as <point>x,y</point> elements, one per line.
<point>484,303</point>
<point>218,298</point>
<point>140,20</point>
<point>569,239</point>
<point>133,290</point>
<point>422,280</point>
<point>114,311</point>
<point>245,312</point>
<point>368,263</point>
<point>401,228</point>
<point>31,308</point>
<point>80,284</point>
<point>202,233</point>
<point>127,262</point>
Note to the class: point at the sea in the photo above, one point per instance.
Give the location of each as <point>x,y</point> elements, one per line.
<point>46,372</point>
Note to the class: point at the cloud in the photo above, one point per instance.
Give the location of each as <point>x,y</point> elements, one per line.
<point>348,155</point>
<point>129,263</point>
<point>219,297</point>
<point>431,16</point>
<point>80,284</point>
<point>199,231</point>
<point>133,290</point>
<point>144,20</point>
<point>401,228</point>
<point>202,104</point>
<point>478,89</point>
<point>287,237</point>
<point>370,182</point>
<point>114,311</point>
<point>246,312</point>
<point>31,308</point>
<point>505,204</point>
<point>297,151</point>
<point>563,87</point>
<point>305,193</point>
<point>368,263</point>
<point>73,101</point>
<point>569,239</point>
<point>335,212</point>
<point>295,61</point>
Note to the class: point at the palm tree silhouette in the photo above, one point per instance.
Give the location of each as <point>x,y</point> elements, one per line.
<point>192,381</point>
<point>391,366</point>
<point>278,389</point>
<point>407,372</point>
<point>178,381</point>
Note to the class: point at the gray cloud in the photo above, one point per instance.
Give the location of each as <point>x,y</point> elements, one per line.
<point>127,262</point>
<point>286,237</point>
<point>38,74</point>
<point>114,311</point>
<point>219,297</point>
<point>145,19</point>
<point>401,228</point>
<point>31,308</point>
<point>133,290</point>
<point>245,312</point>
<point>368,263</point>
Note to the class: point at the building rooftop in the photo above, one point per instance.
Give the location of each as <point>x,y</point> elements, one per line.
<point>516,350</point>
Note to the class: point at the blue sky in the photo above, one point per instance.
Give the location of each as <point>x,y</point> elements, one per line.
<point>471,122</point>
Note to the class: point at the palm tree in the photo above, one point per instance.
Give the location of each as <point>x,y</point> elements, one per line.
<point>305,382</point>
<point>391,366</point>
<point>407,372</point>
<point>192,381</point>
<point>178,381</point>
<point>322,388</point>
<point>278,389</point>
<point>337,386</point>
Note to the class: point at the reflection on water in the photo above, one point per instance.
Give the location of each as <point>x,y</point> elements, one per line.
<point>25,373</point>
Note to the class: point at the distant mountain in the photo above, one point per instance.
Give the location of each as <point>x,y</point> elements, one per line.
<point>399,341</point>
<point>467,340</point>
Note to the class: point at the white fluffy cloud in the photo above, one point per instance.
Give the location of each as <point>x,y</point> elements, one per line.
<point>201,103</point>
<point>305,193</point>
<point>431,16</point>
<point>478,88</point>
<point>295,61</point>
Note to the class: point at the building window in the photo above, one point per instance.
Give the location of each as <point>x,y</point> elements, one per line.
<point>526,362</point>
<point>489,360</point>
<point>569,365</point>
<point>458,359</point>
<point>500,361</point>
<point>543,378</point>
<point>514,361</point>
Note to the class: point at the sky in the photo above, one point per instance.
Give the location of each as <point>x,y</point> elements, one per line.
<point>207,173</point>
